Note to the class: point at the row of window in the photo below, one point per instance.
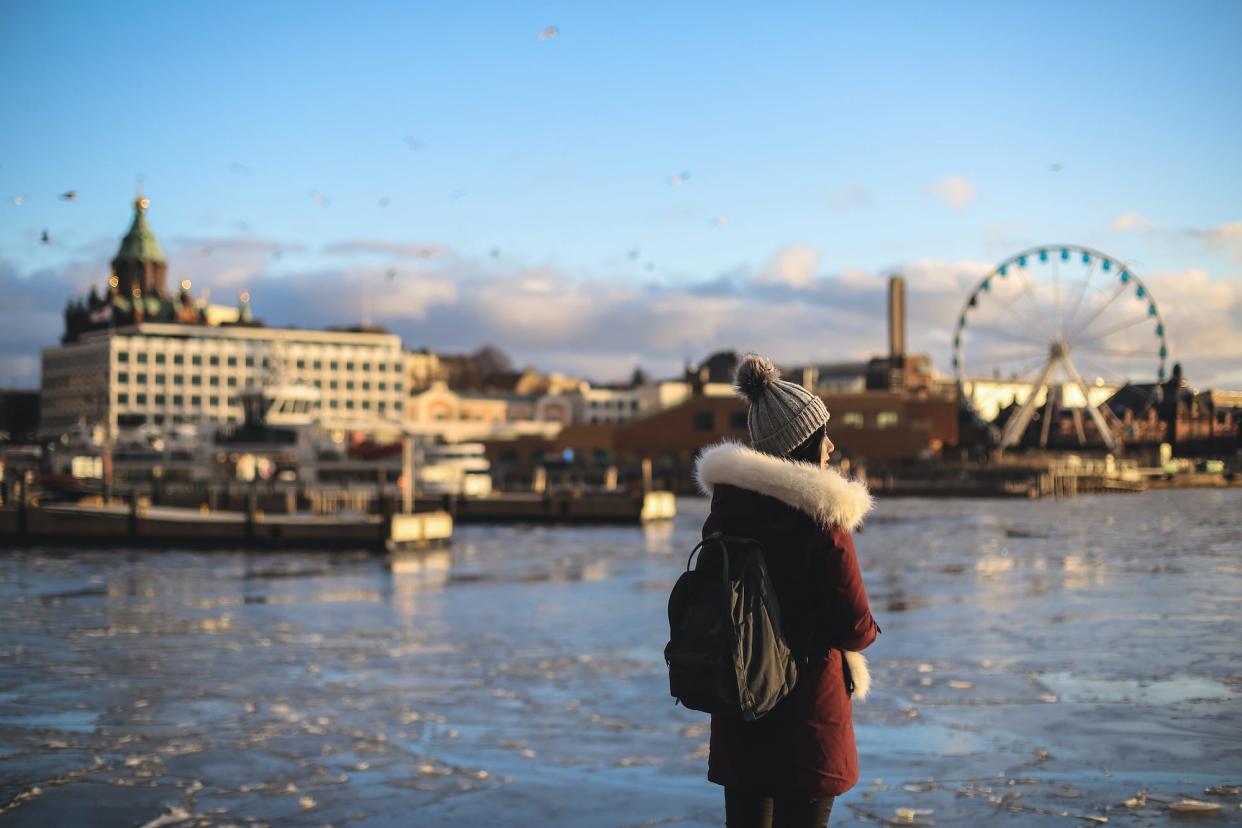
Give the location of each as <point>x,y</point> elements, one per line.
<point>214,401</point>
<point>334,365</point>
<point>143,358</point>
<point>140,378</point>
<point>618,404</point>
<point>196,400</point>
<point>706,420</point>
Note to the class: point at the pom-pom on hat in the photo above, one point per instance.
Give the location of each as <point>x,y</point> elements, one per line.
<point>782,414</point>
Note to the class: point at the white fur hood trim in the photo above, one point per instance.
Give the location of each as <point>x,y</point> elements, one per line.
<point>824,494</point>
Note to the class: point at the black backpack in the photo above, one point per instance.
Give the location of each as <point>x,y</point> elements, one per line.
<point>726,654</point>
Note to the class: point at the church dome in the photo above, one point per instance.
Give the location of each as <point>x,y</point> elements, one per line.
<point>139,244</point>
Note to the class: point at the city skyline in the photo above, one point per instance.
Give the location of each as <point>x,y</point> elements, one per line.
<point>634,189</point>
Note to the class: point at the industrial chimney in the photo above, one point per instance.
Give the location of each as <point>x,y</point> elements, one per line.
<point>897,332</point>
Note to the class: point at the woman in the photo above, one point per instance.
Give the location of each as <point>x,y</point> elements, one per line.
<point>786,768</point>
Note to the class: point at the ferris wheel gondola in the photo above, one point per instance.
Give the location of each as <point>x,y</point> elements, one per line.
<point>1067,322</point>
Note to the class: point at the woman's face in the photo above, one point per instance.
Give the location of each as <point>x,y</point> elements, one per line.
<point>825,451</point>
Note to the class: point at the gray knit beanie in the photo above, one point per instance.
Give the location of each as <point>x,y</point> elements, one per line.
<point>782,415</point>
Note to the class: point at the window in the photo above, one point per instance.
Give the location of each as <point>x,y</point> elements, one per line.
<point>332,384</point>
<point>319,383</point>
<point>381,405</point>
<point>383,386</point>
<point>213,381</point>
<point>366,404</point>
<point>366,366</point>
<point>140,378</point>
<point>122,398</point>
<point>159,399</point>
<point>178,379</point>
<point>737,420</point>
<point>142,358</point>
<point>886,419</point>
<point>333,404</point>
<point>178,359</point>
<point>196,401</point>
<point>383,366</point>
<point>197,379</point>
<point>122,356</point>
<point>396,406</point>
<point>232,382</point>
<point>301,364</point>
<point>159,419</point>
<point>704,421</point>
<point>178,399</point>
<point>349,385</point>
<point>249,362</point>
<point>333,365</point>
<point>197,359</point>
<point>396,386</point>
<point>349,366</point>
<point>852,419</point>
<point>349,403</point>
<point>159,359</point>
<point>232,362</point>
<point>366,385</point>
<point>215,360</point>
<point>213,400</point>
<point>140,399</point>
<point>123,376</point>
<point>160,379</point>
<point>318,364</point>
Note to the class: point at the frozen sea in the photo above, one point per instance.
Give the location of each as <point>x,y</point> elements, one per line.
<point>1042,663</point>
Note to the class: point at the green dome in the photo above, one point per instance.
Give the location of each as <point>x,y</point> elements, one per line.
<point>139,244</point>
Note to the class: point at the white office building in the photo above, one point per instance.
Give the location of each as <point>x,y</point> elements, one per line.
<point>164,374</point>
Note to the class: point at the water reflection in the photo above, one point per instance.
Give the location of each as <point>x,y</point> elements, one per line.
<point>1024,644</point>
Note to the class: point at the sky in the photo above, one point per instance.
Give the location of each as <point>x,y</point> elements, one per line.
<point>642,184</point>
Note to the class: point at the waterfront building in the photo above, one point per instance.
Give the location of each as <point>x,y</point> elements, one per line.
<point>138,357</point>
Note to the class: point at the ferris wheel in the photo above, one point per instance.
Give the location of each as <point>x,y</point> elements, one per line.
<point>1070,324</point>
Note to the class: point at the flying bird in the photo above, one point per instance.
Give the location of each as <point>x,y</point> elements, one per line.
<point>390,274</point>
<point>69,195</point>
<point>720,221</point>
<point>679,179</point>
<point>19,200</point>
<point>414,144</point>
<point>1057,167</point>
<point>495,253</point>
<point>45,238</point>
<point>549,33</point>
<point>320,199</point>
<point>635,253</point>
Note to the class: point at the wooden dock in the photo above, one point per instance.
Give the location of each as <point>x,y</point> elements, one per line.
<point>564,508</point>
<point>138,525</point>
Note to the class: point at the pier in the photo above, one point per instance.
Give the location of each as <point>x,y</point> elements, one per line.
<point>138,524</point>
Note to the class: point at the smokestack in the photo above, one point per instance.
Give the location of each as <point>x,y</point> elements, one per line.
<point>897,331</point>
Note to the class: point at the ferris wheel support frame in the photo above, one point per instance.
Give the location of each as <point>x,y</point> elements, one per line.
<point>1017,424</point>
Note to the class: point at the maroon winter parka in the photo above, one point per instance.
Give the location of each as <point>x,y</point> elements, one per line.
<point>802,515</point>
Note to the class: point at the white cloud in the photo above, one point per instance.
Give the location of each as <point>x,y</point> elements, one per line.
<point>855,195</point>
<point>955,190</point>
<point>793,266</point>
<point>558,321</point>
<point>1131,221</point>
<point>1226,237</point>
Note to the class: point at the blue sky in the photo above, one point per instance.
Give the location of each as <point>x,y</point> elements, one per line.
<point>919,138</point>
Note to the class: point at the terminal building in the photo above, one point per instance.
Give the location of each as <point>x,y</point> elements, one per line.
<point>139,355</point>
